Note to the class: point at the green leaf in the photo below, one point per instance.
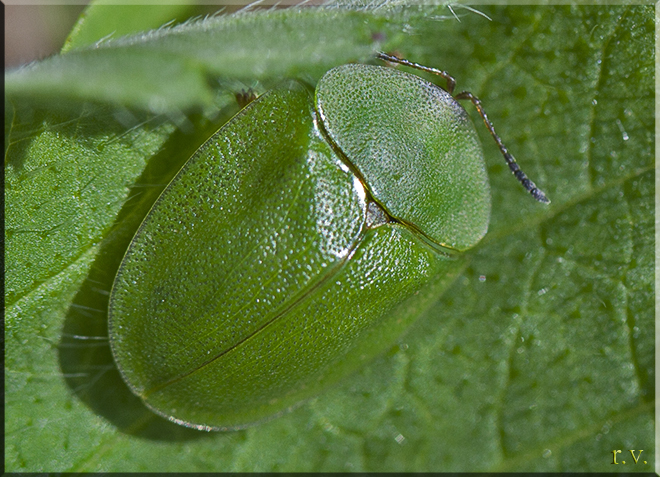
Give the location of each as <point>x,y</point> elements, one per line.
<point>172,69</point>
<point>102,19</point>
<point>538,358</point>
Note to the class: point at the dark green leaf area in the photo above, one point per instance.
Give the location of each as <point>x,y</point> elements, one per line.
<point>581,339</point>
<point>66,179</point>
<point>599,90</point>
<point>571,361</point>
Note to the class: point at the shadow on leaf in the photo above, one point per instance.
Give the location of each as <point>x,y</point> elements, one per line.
<point>84,351</point>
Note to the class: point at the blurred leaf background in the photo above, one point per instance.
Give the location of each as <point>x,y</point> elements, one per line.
<point>539,357</point>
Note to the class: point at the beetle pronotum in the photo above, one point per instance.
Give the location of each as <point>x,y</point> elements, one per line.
<point>451,84</point>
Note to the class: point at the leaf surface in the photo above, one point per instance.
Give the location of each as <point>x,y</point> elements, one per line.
<point>538,358</point>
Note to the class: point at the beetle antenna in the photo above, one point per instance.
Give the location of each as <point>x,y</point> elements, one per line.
<point>511,162</point>
<point>451,84</point>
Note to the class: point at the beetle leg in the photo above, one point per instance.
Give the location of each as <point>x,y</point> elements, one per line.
<point>511,162</point>
<point>245,97</point>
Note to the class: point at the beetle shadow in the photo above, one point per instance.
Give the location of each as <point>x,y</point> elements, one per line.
<point>84,351</point>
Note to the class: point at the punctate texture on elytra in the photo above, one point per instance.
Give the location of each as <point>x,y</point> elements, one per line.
<point>277,261</point>
<point>415,146</point>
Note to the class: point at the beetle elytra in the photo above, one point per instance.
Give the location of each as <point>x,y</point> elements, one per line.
<point>297,243</point>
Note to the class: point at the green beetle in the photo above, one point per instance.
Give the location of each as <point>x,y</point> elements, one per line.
<point>298,242</point>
